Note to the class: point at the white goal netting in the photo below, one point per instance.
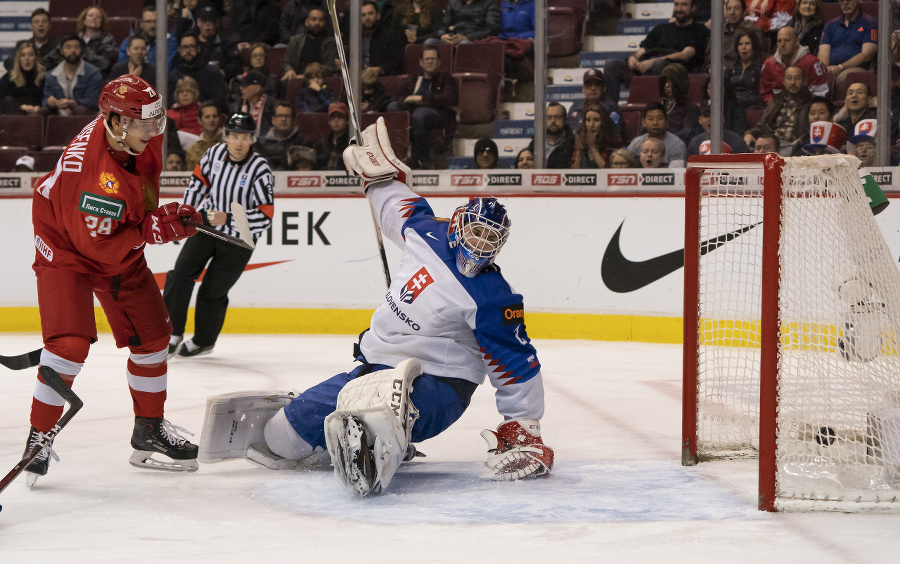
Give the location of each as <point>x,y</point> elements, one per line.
<point>838,376</point>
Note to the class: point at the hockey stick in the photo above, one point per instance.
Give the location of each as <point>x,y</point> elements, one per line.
<point>56,383</point>
<point>240,221</point>
<point>22,361</point>
<point>354,119</point>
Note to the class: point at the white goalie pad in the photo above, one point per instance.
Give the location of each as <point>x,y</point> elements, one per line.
<point>368,434</point>
<point>237,420</point>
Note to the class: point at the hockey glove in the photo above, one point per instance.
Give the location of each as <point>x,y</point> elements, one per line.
<point>515,451</point>
<point>165,223</point>
<point>373,159</point>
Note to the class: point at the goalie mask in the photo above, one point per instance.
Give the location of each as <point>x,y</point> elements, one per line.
<point>478,231</point>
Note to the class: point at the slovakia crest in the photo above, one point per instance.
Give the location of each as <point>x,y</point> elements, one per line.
<point>415,286</point>
<point>818,134</point>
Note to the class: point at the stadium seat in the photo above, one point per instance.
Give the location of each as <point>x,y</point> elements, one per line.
<point>644,90</point>
<point>582,6</point>
<point>121,8</point>
<point>21,132</point>
<point>8,158</point>
<point>45,161</point>
<point>64,26</point>
<point>120,28</point>
<point>276,60</point>
<point>565,31</point>
<point>696,84</point>
<point>313,124</point>
<point>66,9</point>
<point>293,86</point>
<point>866,77</point>
<point>336,83</point>
<point>832,10</point>
<point>479,57</point>
<point>398,130</point>
<point>62,129</point>
<point>478,97</point>
<point>632,124</point>
<point>394,85</point>
<point>413,53</point>
<point>752,116</point>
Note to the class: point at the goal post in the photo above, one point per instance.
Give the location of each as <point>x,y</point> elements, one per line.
<point>791,354</point>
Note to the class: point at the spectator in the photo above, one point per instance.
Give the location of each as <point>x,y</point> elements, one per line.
<point>136,48</point>
<point>382,46</point>
<point>186,18</point>
<point>734,141</point>
<point>430,99</point>
<point>22,88</point>
<point>185,111</point>
<point>466,21</point>
<point>787,112</point>
<point>73,87</point>
<point>301,158</point>
<point>330,151</point>
<point>735,25</point>
<point>99,44</point>
<point>258,60</point>
<point>254,21</point>
<point>744,74</point>
<point>175,162</point>
<point>212,85</point>
<point>211,123</point>
<point>593,86</point>
<point>419,20</point>
<point>594,139</point>
<point>791,54</point>
<point>820,109</point>
<point>849,42</point>
<point>681,112</point>
<point>283,135</point>
<point>517,33</point>
<point>374,98</point>
<point>654,122</point>
<point>525,159</point>
<point>40,38</point>
<point>315,96</point>
<point>486,154</point>
<point>864,142</point>
<point>770,15</point>
<point>293,16</point>
<point>215,49</point>
<point>311,45</point>
<point>732,112</point>
<point>859,104</point>
<point>255,101</point>
<point>766,142</point>
<point>680,41</point>
<point>808,22</point>
<point>826,138</point>
<point>653,153</point>
<point>622,158</point>
<point>25,163</point>
<point>147,30</point>
<point>559,141</point>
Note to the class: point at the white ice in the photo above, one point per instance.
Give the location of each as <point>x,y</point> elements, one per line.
<point>618,492</point>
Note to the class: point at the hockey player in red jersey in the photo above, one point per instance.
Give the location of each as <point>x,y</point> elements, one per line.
<point>93,216</point>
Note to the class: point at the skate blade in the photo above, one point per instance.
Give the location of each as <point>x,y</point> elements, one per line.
<point>31,479</point>
<point>144,459</point>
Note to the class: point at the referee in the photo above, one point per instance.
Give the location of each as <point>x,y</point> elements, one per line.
<point>227,172</point>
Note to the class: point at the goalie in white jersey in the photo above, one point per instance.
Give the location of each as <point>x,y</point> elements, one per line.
<point>448,320</point>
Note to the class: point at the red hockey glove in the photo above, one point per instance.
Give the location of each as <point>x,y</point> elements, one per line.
<point>165,223</point>
<point>515,451</point>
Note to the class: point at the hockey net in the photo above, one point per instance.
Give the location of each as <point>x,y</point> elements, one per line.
<point>792,300</point>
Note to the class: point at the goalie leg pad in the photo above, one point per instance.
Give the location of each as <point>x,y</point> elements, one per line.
<point>368,435</point>
<point>235,421</point>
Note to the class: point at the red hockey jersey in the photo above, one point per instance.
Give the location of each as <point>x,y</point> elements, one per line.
<point>87,212</point>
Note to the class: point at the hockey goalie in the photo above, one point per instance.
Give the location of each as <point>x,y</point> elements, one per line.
<point>448,320</point>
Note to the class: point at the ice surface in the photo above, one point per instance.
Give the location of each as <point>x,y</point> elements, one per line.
<point>617,494</point>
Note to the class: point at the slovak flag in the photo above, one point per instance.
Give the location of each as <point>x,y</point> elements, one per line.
<point>818,133</point>
<point>415,286</point>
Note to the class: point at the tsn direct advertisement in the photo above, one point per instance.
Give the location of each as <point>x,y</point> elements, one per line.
<point>595,242</point>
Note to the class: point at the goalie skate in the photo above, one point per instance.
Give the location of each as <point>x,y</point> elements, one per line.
<point>160,437</point>
<point>354,463</point>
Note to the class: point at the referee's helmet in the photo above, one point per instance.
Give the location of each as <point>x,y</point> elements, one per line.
<point>240,123</point>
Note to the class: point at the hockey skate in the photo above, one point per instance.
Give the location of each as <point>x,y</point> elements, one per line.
<point>174,342</point>
<point>355,461</point>
<point>189,349</point>
<point>162,437</point>
<point>41,464</point>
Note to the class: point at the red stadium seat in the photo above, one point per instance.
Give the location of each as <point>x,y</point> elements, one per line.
<point>696,84</point>
<point>395,85</point>
<point>62,129</point>
<point>479,57</point>
<point>21,132</point>
<point>276,60</point>
<point>752,116</point>
<point>313,124</point>
<point>8,158</point>
<point>45,161</point>
<point>66,9</point>
<point>64,26</point>
<point>565,30</point>
<point>293,86</point>
<point>478,95</point>
<point>398,130</point>
<point>413,53</point>
<point>644,90</point>
<point>120,28</point>
<point>632,124</point>
<point>866,77</point>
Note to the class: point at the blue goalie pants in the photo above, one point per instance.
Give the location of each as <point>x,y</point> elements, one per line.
<point>440,401</point>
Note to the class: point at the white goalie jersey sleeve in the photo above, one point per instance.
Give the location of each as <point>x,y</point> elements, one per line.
<point>457,327</point>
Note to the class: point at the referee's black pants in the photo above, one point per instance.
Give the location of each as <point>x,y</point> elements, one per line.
<point>226,264</point>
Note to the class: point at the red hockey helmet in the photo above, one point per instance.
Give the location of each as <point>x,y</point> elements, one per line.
<point>130,96</point>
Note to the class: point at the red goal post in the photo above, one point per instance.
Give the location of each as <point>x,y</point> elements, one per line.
<point>791,353</point>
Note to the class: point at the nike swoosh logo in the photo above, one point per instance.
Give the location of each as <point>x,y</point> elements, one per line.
<point>429,234</point>
<point>622,275</point>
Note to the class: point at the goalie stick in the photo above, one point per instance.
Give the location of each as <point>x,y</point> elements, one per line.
<point>354,119</point>
<point>22,361</point>
<point>56,383</point>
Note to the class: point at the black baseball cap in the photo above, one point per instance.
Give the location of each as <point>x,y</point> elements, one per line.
<point>252,77</point>
<point>486,144</point>
<point>208,14</point>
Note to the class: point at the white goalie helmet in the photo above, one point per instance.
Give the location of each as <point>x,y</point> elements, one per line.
<point>478,231</point>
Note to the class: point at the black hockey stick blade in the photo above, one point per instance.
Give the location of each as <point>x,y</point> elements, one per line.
<point>56,383</point>
<point>22,361</point>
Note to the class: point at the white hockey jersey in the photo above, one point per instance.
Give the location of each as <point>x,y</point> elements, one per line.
<point>458,327</point>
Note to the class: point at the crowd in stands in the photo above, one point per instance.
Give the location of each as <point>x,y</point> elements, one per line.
<point>787,72</point>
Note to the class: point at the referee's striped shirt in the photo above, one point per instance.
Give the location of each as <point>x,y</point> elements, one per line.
<point>217,181</point>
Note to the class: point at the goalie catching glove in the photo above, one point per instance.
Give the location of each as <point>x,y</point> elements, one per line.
<point>373,159</point>
<point>515,451</point>
<point>166,223</point>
